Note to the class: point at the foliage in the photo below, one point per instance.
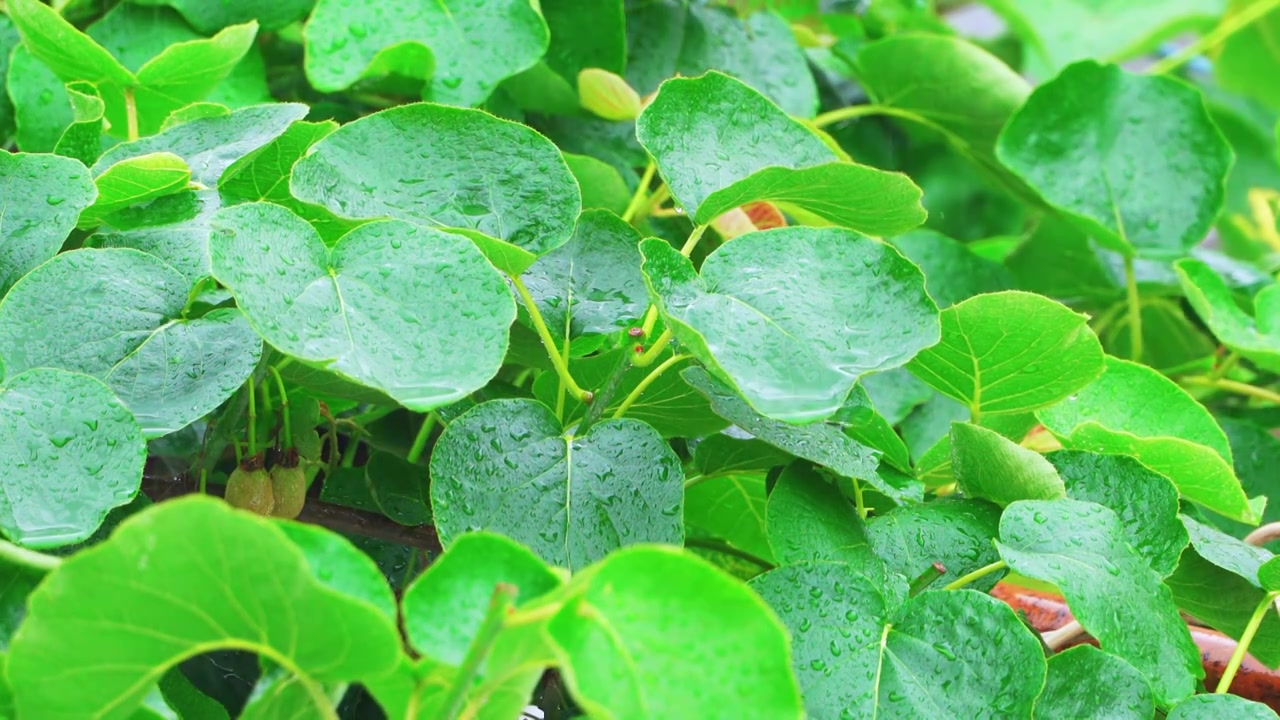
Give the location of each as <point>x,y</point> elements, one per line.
<point>646,358</point>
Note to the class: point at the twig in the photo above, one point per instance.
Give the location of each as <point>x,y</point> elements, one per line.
<point>1055,640</point>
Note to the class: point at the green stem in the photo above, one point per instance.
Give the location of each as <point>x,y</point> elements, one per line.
<point>727,549</point>
<point>857,499</point>
<point>650,319</point>
<point>540,325</point>
<point>503,597</point>
<point>848,113</point>
<point>284,407</point>
<point>646,359</point>
<point>253,419</point>
<point>204,480</point>
<point>564,357</point>
<point>1239,388</point>
<point>1225,366</point>
<point>978,574</point>
<point>654,374</point>
<point>692,242</point>
<point>131,114</point>
<point>1135,310</point>
<point>420,440</point>
<point>28,558</point>
<point>1229,26</point>
<point>926,578</point>
<point>1237,657</point>
<point>641,193</point>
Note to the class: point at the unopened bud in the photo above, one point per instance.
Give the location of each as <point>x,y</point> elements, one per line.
<point>607,95</point>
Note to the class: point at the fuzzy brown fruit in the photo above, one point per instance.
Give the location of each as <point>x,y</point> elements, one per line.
<point>249,488</point>
<point>289,486</point>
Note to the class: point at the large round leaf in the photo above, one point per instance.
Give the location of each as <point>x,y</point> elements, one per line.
<point>794,316</point>
<point>71,452</point>
<point>413,312</point>
<point>448,167</point>
<point>505,466</point>
<point>43,196</point>
<point>126,327</point>
<point>1087,682</point>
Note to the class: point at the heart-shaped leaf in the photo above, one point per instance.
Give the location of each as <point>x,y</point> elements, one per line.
<point>1256,338</point>
<point>1133,410</point>
<point>794,338</point>
<point>133,335</point>
<point>571,499</point>
<point>1081,548</point>
<point>502,183</point>
<point>53,192</point>
<point>1084,681</point>
<point>371,309</point>
<point>1093,142</point>
<point>713,166</point>
<point>988,465</point>
<point>1010,352</point>
<point>74,453</point>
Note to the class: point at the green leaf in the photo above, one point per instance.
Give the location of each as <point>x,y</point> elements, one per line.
<point>1093,142</point>
<point>167,369</point>
<point>1081,548</point>
<point>956,532</point>
<point>1133,410</point>
<point>591,284</point>
<point>1233,555</point>
<point>1225,601</point>
<point>1084,681</point>
<point>1146,502</point>
<point>368,309</point>
<point>1241,61</point>
<point>55,190</point>
<point>810,519</point>
<point>400,488</point>
<point>505,466</point>
<point>209,18</point>
<point>952,271</point>
<point>473,47</point>
<point>602,185</point>
<point>862,652</point>
<point>9,39</point>
<point>1010,352</point>
<point>712,166</point>
<point>513,193</point>
<point>721,454</point>
<point>1220,707</point>
<point>82,140</point>
<point>988,465</point>
<point>1256,452</point>
<point>794,338</point>
<point>1252,337</point>
<point>895,393</point>
<point>585,34</point>
<point>41,105</point>
<point>613,639</point>
<point>134,181</point>
<point>247,587</point>
<point>823,443</point>
<point>444,607</point>
<point>731,508</point>
<point>173,228</point>
<point>864,424</point>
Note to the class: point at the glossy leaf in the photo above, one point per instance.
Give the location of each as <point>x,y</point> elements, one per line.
<point>511,193</point>
<point>1010,352</point>
<point>713,167</point>
<point>862,652</point>
<point>1220,707</point>
<point>211,17</point>
<point>57,189</point>
<point>82,140</point>
<point>168,369</point>
<point>952,271</point>
<point>613,641</point>
<point>134,181</point>
<point>1092,142</point>
<point>399,487</point>
<point>368,309</point>
<point>1084,681</point>
<point>1224,600</point>
<point>987,465</point>
<point>173,228</point>
<point>864,424</point>
<point>1081,548</point>
<point>1252,337</point>
<point>794,339</point>
<point>1133,410</point>
<point>730,508</point>
<point>810,519</point>
<point>570,499</point>
<point>956,532</point>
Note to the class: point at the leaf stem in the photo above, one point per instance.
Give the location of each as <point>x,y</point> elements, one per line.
<point>978,574</point>
<point>131,114</point>
<point>641,194</point>
<point>420,440</point>
<point>499,605</point>
<point>284,407</point>
<point>564,357</point>
<point>692,242</point>
<point>1135,310</point>
<point>650,320</point>
<point>1220,371</point>
<point>253,418</point>
<point>727,549</point>
<point>832,117</point>
<point>1239,388</point>
<point>857,499</point>
<point>926,578</point>
<point>654,374</point>
<point>1237,657</point>
<point>349,454</point>
<point>28,558</point>
<point>1229,26</point>
<point>646,359</point>
<point>540,325</point>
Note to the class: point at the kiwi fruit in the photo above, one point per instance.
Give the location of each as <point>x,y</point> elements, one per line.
<point>288,486</point>
<point>249,487</point>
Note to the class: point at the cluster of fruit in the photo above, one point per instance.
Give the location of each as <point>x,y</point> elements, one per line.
<point>279,493</point>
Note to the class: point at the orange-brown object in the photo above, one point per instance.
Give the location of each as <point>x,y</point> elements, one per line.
<point>1254,681</point>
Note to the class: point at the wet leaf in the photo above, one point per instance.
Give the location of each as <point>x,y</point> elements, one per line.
<point>57,189</point>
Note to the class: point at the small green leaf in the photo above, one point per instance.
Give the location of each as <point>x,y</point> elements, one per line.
<point>134,181</point>
<point>1253,337</point>
<point>585,34</point>
<point>209,18</point>
<point>1269,575</point>
<point>399,487</point>
<point>720,454</point>
<point>988,465</point>
<point>602,185</point>
<point>1220,707</point>
<point>1133,410</point>
<point>55,190</point>
<point>247,587</point>
<point>956,532</point>
<point>41,104</point>
<point>570,499</point>
<point>794,338</point>
<point>1010,352</point>
<point>1086,682</point>
<point>613,640</point>
<point>713,166</point>
<point>1255,452</point>
<point>862,652</point>
<point>444,607</point>
<point>895,393</point>
<point>513,193</point>
<point>369,309</point>
<point>474,47</point>
<point>82,140</point>
<point>864,424</point>
<point>169,370</point>
<point>1233,555</point>
<point>731,508</point>
<point>1081,548</point>
<point>810,519</point>
<point>1224,600</point>
<point>1093,142</point>
<point>952,271</point>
